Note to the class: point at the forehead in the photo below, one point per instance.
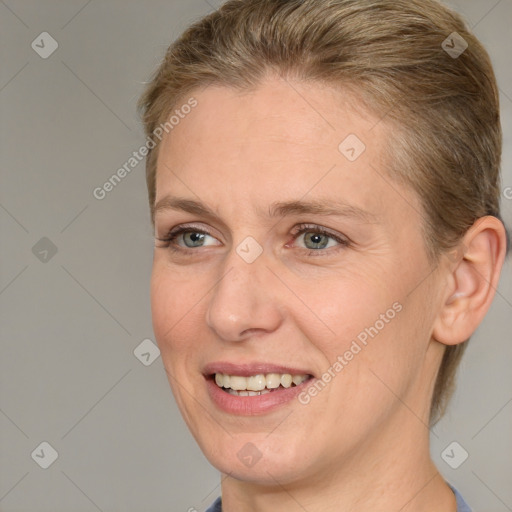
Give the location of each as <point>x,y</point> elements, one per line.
<point>278,111</point>
<point>278,142</point>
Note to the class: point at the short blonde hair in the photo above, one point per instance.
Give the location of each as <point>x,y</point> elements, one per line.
<point>444,108</point>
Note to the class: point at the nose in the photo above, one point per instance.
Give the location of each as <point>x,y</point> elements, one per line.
<point>244,302</point>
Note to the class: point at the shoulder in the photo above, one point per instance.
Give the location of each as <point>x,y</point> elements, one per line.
<point>217,506</point>
<point>462,506</point>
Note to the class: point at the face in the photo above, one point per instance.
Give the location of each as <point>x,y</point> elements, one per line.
<point>289,268</point>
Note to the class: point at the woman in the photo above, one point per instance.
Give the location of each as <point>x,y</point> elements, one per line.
<point>325,197</point>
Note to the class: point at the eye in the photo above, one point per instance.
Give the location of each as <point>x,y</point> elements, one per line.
<point>313,239</point>
<point>187,237</point>
<point>195,238</point>
<point>316,239</point>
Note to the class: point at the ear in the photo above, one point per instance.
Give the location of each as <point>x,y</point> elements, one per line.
<point>472,280</point>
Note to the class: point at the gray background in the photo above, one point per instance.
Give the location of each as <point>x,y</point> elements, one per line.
<point>70,324</point>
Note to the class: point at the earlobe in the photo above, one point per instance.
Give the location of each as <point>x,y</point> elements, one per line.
<point>472,280</point>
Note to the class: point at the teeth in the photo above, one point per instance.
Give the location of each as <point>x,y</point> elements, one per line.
<point>286,380</point>
<point>273,380</point>
<point>248,393</point>
<point>257,384</point>
<point>299,379</point>
<point>237,383</point>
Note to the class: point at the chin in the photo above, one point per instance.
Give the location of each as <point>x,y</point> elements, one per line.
<point>258,458</point>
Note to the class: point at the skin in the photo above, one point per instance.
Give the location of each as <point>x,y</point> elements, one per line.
<point>363,442</point>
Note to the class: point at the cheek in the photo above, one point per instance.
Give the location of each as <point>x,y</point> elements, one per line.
<point>163,309</point>
<point>364,330</point>
<point>175,302</point>
<point>340,308</point>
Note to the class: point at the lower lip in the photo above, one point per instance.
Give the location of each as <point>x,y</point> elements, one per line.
<point>253,405</point>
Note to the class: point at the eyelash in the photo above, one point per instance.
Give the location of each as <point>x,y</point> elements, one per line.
<point>299,230</point>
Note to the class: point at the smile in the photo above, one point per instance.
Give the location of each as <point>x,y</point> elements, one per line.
<point>254,389</point>
<point>256,385</point>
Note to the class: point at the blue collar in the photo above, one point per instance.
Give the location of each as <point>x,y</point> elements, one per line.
<point>462,506</point>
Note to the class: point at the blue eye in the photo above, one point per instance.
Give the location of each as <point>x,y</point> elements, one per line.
<point>196,238</point>
<point>316,239</point>
<point>190,237</point>
<point>313,239</point>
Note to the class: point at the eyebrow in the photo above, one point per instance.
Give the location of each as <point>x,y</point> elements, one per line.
<point>277,209</point>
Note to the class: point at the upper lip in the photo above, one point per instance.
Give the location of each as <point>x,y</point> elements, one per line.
<point>248,369</point>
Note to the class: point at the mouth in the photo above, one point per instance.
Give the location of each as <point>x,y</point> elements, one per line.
<point>259,384</point>
<point>254,389</point>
